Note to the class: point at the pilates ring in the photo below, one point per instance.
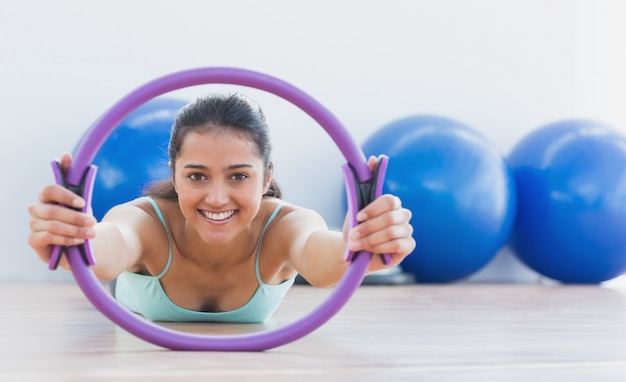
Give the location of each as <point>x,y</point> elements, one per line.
<point>362,186</point>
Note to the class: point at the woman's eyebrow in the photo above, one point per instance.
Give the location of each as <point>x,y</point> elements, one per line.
<point>196,166</point>
<point>239,165</point>
<point>229,167</point>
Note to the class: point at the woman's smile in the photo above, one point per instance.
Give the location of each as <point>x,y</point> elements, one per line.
<point>221,217</point>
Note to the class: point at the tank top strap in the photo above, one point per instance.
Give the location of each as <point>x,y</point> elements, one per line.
<point>157,209</point>
<point>258,250</point>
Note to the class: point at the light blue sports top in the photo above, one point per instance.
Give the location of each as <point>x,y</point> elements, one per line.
<point>144,294</point>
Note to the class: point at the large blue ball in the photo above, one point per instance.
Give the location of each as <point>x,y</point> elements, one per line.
<point>134,154</point>
<point>458,188</point>
<point>571,223</point>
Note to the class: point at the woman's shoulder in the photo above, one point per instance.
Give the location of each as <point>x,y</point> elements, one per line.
<point>144,213</point>
<point>283,208</point>
<point>154,206</point>
<point>292,216</point>
<point>147,223</point>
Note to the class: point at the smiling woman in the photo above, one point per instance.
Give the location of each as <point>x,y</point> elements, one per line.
<point>215,242</point>
<point>220,160</point>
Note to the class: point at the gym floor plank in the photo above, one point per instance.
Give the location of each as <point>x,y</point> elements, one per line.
<point>452,332</point>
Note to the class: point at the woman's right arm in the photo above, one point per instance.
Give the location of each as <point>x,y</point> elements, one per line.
<point>115,241</point>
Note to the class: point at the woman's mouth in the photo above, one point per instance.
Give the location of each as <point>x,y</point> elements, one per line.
<point>218,216</point>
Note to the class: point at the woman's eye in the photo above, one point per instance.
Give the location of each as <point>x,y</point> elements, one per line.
<point>239,176</point>
<point>196,176</point>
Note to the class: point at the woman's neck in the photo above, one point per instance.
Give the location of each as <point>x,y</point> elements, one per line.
<point>239,249</point>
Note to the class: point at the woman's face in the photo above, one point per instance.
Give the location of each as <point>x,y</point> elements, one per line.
<point>220,179</point>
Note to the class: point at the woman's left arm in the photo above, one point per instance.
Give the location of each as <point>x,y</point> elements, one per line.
<point>317,253</point>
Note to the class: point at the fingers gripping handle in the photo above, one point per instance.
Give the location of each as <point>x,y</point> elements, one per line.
<point>360,194</point>
<point>84,190</point>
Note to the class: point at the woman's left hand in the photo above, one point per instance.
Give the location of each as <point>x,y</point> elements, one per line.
<point>383,227</point>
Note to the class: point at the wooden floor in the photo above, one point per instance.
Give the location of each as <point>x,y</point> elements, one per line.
<point>457,332</point>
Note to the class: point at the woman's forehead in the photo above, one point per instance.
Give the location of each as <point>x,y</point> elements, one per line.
<point>222,144</point>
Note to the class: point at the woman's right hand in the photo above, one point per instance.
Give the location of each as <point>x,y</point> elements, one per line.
<point>51,223</point>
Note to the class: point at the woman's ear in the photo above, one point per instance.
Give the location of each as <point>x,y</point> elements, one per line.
<point>269,173</point>
<point>171,166</point>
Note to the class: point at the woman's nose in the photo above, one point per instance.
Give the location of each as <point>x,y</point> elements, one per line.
<point>217,194</point>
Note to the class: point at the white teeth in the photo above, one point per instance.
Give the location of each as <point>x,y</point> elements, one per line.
<point>219,216</point>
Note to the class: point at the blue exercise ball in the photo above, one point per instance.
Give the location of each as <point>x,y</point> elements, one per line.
<point>458,187</point>
<point>134,154</point>
<point>571,184</point>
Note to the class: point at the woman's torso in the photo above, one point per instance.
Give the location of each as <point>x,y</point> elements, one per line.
<point>194,286</point>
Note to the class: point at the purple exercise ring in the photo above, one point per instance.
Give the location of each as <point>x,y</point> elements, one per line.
<point>168,338</point>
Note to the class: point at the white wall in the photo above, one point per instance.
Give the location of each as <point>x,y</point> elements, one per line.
<point>503,67</point>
